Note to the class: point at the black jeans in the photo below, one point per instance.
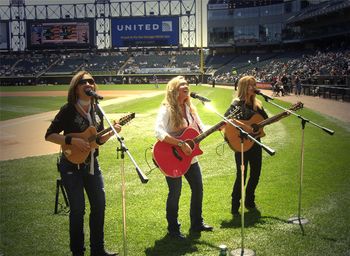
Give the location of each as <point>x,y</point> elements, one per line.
<point>75,181</point>
<point>254,157</point>
<point>194,178</point>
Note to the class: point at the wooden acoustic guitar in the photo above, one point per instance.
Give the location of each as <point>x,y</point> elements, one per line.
<point>257,122</point>
<point>74,155</point>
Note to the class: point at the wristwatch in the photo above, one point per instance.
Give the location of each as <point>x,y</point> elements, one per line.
<point>181,143</point>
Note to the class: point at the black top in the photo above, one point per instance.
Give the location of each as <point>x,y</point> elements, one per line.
<point>246,111</point>
<point>69,120</point>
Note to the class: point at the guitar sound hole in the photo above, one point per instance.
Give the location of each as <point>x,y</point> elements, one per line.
<point>255,128</point>
<point>190,143</point>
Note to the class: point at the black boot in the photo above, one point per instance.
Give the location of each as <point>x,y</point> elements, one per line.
<point>174,231</point>
<point>201,227</point>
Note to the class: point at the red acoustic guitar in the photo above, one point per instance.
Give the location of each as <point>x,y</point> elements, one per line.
<point>74,155</point>
<point>171,160</point>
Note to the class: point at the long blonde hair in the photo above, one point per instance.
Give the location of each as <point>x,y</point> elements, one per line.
<point>242,94</point>
<point>171,101</point>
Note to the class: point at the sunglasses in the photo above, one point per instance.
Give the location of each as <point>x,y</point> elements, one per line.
<point>84,81</point>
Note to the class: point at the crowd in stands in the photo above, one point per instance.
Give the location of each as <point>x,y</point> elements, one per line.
<point>284,70</point>
<point>115,62</point>
<point>180,62</point>
<point>25,64</point>
<point>286,73</point>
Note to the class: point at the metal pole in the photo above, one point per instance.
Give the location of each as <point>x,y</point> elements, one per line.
<point>202,54</point>
<point>123,206</point>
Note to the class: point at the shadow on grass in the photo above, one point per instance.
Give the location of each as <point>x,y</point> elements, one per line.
<point>173,247</point>
<point>251,218</point>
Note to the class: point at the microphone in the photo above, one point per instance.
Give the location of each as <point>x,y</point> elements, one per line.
<point>92,93</point>
<point>264,95</point>
<point>201,98</point>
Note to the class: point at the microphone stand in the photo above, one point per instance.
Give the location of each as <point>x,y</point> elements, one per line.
<point>298,219</point>
<point>122,149</point>
<point>243,135</point>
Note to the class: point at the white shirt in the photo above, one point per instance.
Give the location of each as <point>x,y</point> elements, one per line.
<point>164,126</point>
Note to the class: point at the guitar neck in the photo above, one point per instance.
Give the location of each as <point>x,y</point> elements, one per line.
<point>124,120</point>
<point>98,135</point>
<point>203,135</point>
<point>273,119</point>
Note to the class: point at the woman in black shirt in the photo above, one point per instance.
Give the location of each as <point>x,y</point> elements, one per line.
<point>76,116</point>
<point>249,105</point>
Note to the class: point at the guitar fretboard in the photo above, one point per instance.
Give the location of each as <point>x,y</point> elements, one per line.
<point>203,135</point>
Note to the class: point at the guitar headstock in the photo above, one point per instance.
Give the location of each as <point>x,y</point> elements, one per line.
<point>126,119</point>
<point>297,106</point>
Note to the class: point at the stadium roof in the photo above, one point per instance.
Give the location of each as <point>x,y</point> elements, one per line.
<point>319,10</point>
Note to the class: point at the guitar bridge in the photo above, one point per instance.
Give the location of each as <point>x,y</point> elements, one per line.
<point>176,154</point>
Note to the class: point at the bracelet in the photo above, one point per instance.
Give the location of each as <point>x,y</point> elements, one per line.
<point>180,143</point>
<point>68,140</point>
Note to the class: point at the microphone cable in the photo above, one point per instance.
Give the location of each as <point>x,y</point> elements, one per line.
<point>218,151</point>
<point>147,162</point>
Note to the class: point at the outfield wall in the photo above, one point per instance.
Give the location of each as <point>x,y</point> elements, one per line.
<point>100,79</point>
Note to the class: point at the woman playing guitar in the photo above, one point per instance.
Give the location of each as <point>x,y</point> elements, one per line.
<point>249,105</point>
<point>175,115</point>
<point>76,116</point>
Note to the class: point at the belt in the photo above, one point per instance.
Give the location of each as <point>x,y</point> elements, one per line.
<point>78,166</point>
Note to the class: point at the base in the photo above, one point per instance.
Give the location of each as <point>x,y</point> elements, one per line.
<point>241,252</point>
<point>298,220</point>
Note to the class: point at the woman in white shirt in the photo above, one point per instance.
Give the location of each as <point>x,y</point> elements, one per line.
<point>175,115</point>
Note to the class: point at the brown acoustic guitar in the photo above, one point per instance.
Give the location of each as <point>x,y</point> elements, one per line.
<point>257,122</point>
<point>76,156</point>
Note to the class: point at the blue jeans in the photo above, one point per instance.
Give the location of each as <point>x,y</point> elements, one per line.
<point>194,178</point>
<point>75,180</point>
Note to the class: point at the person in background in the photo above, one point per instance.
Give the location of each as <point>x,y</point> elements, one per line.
<point>249,105</point>
<point>298,86</point>
<point>175,115</point>
<point>76,116</point>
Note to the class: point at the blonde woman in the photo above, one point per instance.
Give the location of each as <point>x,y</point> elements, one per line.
<point>76,116</point>
<point>248,103</point>
<point>175,115</point>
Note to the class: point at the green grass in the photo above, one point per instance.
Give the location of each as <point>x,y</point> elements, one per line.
<point>27,191</point>
<point>13,107</point>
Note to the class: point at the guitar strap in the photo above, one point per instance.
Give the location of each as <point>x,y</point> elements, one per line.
<point>87,114</point>
<point>196,122</point>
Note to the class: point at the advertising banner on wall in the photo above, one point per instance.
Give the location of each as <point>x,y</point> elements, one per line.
<point>145,31</point>
<point>53,34</point>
